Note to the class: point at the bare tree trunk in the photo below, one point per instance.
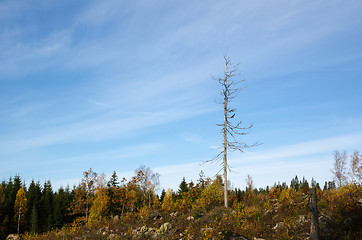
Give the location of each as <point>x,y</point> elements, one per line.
<point>86,214</point>
<point>149,200</point>
<point>225,136</point>
<point>313,214</point>
<point>19,220</point>
<point>230,130</point>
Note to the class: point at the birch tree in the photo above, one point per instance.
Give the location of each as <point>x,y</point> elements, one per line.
<point>356,167</point>
<point>339,167</point>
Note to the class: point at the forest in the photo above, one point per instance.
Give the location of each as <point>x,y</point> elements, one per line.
<point>118,208</point>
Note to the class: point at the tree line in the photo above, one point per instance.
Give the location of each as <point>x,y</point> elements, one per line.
<point>39,209</point>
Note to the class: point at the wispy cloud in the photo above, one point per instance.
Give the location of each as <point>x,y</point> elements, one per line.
<point>91,130</point>
<point>98,103</point>
<point>304,149</point>
<point>115,69</point>
<point>268,167</point>
<point>192,137</point>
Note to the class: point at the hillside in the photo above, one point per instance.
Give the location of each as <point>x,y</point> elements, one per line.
<point>131,210</point>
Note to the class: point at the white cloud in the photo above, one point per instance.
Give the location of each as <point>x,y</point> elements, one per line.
<point>268,167</point>
<point>98,103</point>
<point>327,145</point>
<point>135,65</point>
<point>91,130</point>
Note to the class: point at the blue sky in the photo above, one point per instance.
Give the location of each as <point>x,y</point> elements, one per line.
<point>114,84</point>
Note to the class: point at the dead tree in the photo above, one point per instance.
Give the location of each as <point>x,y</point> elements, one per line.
<point>313,214</point>
<point>230,130</point>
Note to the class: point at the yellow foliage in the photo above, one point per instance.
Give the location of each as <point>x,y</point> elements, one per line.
<point>79,203</point>
<point>20,206</point>
<point>274,192</point>
<point>212,195</point>
<point>287,195</point>
<point>168,203</point>
<point>143,213</point>
<point>100,207</point>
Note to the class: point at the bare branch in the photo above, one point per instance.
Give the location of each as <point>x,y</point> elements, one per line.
<point>230,89</point>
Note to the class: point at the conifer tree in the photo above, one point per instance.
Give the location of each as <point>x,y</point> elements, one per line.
<point>113,192</point>
<point>2,209</point>
<point>33,195</point>
<point>46,207</point>
<point>113,181</point>
<point>183,188</point>
<point>61,202</point>
<point>295,183</point>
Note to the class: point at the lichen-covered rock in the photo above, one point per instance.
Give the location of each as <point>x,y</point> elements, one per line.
<point>164,228</point>
<point>173,214</point>
<point>13,237</point>
<point>113,236</point>
<point>233,236</point>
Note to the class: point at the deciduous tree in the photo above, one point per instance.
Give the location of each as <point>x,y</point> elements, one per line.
<point>148,181</point>
<point>339,167</point>
<point>84,194</point>
<point>100,206</point>
<point>20,207</point>
<point>356,167</point>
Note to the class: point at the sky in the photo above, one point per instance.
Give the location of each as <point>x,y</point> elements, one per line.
<point>112,85</point>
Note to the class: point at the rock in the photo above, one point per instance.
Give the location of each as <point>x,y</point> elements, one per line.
<point>164,228</point>
<point>113,236</point>
<point>13,237</point>
<point>278,226</point>
<point>143,230</point>
<point>301,219</point>
<point>233,236</point>
<point>102,231</point>
<point>173,214</point>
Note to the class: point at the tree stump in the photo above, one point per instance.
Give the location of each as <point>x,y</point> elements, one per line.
<point>313,214</point>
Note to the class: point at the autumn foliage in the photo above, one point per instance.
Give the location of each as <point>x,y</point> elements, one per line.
<point>132,209</point>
